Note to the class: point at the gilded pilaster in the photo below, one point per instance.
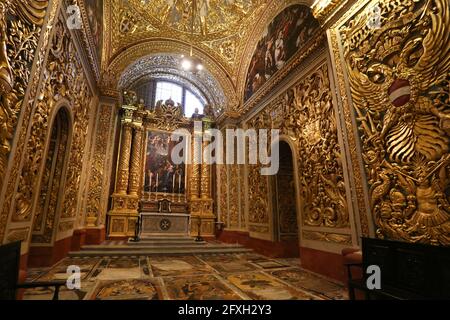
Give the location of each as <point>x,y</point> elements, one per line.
<point>136,161</point>
<point>205,182</point>
<point>124,213</point>
<point>123,169</point>
<point>196,167</point>
<point>201,198</point>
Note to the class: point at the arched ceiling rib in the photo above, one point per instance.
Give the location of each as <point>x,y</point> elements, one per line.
<point>167,67</point>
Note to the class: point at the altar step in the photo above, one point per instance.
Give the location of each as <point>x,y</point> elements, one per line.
<point>159,246</point>
<point>166,241</point>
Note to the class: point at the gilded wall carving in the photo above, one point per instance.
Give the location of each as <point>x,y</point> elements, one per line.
<point>63,79</point>
<point>45,184</point>
<point>242,197</point>
<point>27,107</point>
<point>313,120</point>
<point>399,78</point>
<point>305,112</point>
<point>20,28</point>
<point>20,234</point>
<point>258,196</point>
<point>344,239</point>
<point>232,195</point>
<point>286,203</point>
<point>94,205</point>
<point>233,199</point>
<point>222,188</point>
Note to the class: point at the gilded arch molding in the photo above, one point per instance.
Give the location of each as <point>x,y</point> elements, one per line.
<point>167,46</point>
<point>166,67</point>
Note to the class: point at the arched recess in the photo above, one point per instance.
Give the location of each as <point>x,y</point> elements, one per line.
<point>285,195</point>
<point>153,47</point>
<point>47,205</point>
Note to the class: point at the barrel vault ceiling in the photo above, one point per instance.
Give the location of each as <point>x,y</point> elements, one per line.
<point>224,40</point>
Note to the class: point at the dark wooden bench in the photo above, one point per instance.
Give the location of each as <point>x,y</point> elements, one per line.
<point>9,274</point>
<point>408,270</point>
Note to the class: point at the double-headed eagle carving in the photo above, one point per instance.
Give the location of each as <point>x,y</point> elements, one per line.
<point>400,84</point>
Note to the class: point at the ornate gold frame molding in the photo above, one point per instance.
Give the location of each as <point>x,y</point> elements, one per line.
<point>88,39</point>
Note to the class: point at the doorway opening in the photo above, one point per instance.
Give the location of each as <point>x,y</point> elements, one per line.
<point>285,224</point>
<point>47,212</point>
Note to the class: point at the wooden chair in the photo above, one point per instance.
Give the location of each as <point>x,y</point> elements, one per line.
<point>9,274</point>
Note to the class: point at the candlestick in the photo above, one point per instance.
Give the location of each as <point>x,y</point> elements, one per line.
<point>173,183</point>
<point>157,182</point>
<point>150,174</point>
<point>179,183</point>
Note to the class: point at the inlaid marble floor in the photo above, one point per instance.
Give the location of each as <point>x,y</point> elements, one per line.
<point>187,277</point>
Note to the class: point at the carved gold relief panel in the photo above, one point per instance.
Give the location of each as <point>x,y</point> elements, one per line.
<point>399,77</point>
<point>242,183</point>
<point>35,17</point>
<point>45,184</point>
<point>258,196</point>
<point>222,189</point>
<point>322,184</point>
<point>20,28</point>
<point>63,79</point>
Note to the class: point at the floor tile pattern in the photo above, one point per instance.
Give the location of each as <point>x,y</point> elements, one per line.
<point>187,277</point>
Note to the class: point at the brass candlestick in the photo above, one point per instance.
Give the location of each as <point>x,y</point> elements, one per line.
<point>137,230</point>
<point>199,225</point>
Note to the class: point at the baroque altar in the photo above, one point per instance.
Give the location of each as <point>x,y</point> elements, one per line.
<point>169,197</point>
